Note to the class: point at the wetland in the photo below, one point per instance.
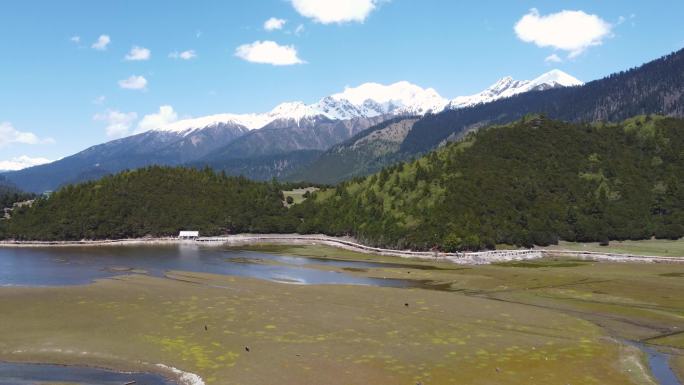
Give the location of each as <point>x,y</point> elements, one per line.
<point>235,316</point>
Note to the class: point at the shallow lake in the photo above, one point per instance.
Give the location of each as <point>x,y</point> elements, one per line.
<point>61,266</point>
<point>29,374</point>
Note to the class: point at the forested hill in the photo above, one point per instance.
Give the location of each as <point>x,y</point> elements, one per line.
<point>153,201</point>
<point>10,194</point>
<point>531,182</point>
<point>656,87</point>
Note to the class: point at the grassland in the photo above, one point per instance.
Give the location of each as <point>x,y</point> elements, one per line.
<point>297,195</point>
<point>657,247</point>
<point>556,323</point>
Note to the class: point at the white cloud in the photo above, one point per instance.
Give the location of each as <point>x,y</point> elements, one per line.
<point>185,55</point>
<point>166,115</point>
<point>133,83</point>
<point>274,23</point>
<point>101,43</point>
<point>335,11</point>
<point>553,58</point>
<point>75,39</point>
<point>99,100</point>
<point>138,53</point>
<point>9,135</point>
<point>21,162</point>
<point>118,123</point>
<point>298,31</point>
<point>571,31</point>
<point>268,52</point>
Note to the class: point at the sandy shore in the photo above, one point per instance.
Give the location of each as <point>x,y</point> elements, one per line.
<point>348,243</point>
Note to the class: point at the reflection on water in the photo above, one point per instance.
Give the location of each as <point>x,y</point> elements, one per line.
<point>80,265</point>
<point>26,374</point>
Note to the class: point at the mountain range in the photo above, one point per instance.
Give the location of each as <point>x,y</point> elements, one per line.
<point>277,143</point>
<point>363,129</point>
<point>656,87</point>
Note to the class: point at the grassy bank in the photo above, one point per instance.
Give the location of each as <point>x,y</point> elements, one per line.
<point>520,323</point>
<point>655,247</point>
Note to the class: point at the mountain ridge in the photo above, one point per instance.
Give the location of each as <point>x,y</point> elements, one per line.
<point>656,87</point>
<point>221,138</point>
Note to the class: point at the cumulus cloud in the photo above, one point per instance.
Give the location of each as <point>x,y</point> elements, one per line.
<point>274,23</point>
<point>138,53</point>
<point>133,83</point>
<point>118,123</point>
<point>570,31</point>
<point>185,55</point>
<point>335,11</point>
<point>101,43</point>
<point>21,162</point>
<point>553,58</point>
<point>9,135</point>
<point>268,52</point>
<point>166,115</point>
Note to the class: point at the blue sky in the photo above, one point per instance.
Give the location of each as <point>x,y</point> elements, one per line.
<point>58,92</point>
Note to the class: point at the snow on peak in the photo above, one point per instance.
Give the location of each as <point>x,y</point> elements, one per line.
<point>558,78</point>
<point>399,97</point>
<point>375,99</point>
<point>507,87</point>
<point>186,126</point>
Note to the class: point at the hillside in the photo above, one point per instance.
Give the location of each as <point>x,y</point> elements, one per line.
<point>141,150</point>
<point>10,194</point>
<point>534,181</point>
<point>653,88</point>
<point>153,201</point>
<point>263,168</point>
<point>365,153</point>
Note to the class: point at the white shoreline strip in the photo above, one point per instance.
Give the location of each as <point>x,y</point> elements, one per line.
<point>469,258</point>
<point>184,378</point>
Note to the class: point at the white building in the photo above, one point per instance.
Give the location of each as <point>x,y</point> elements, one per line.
<point>188,234</point>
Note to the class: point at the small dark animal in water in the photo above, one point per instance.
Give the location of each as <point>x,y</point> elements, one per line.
<point>205,328</point>
<point>406,304</point>
<point>247,349</point>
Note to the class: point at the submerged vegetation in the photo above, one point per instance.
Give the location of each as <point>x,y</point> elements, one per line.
<point>508,324</point>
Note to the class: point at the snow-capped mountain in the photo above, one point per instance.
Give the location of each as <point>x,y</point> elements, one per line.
<point>370,100</point>
<point>293,126</point>
<point>507,87</point>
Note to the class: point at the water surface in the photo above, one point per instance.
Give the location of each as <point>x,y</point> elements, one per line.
<point>29,374</point>
<point>59,266</point>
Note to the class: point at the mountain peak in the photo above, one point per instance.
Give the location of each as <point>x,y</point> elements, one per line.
<point>557,77</point>
<point>372,99</point>
<point>507,87</point>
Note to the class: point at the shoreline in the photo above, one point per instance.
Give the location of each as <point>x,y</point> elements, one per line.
<point>348,243</point>
<point>170,373</point>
